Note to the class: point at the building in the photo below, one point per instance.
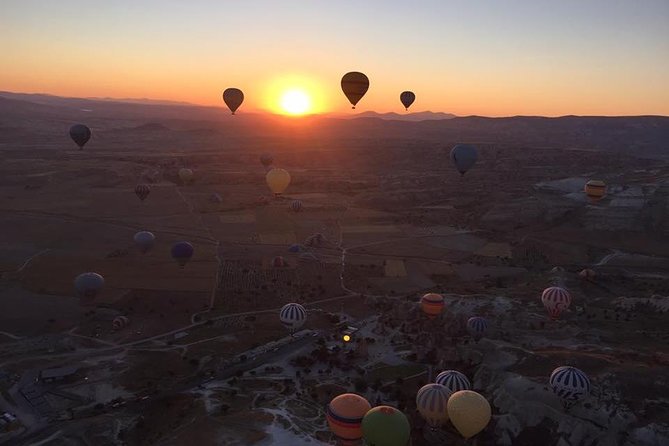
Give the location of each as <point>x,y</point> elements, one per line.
<point>58,374</point>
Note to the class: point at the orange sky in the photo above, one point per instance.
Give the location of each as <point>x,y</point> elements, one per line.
<point>458,57</point>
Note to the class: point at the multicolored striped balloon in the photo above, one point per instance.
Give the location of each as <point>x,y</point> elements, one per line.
<point>344,416</point>
<point>555,300</point>
<point>595,190</point>
<point>453,380</point>
<point>432,304</point>
<point>431,401</point>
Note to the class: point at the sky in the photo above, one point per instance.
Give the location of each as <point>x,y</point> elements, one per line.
<point>468,57</point>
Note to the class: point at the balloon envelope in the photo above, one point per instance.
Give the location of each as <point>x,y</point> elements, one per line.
<point>142,191</point>
<point>469,412</point>
<point>233,98</point>
<point>453,380</point>
<point>432,304</point>
<point>407,98</point>
<point>182,252</point>
<point>277,180</point>
<point>344,416</point>
<point>144,241</point>
<point>185,174</point>
<point>266,159</point>
<point>464,157</point>
<point>555,300</point>
<point>354,85</point>
<point>88,285</point>
<point>80,134</point>
<point>595,190</point>
<point>387,426</point>
<point>293,316</point>
<point>431,401</point>
<point>477,326</point>
<point>570,383</point>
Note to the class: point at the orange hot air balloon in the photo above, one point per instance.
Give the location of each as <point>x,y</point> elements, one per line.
<point>277,180</point>
<point>432,304</point>
<point>595,190</point>
<point>344,416</point>
<point>354,85</point>
<point>587,274</point>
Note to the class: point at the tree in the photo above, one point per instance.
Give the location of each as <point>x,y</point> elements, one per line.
<point>360,385</point>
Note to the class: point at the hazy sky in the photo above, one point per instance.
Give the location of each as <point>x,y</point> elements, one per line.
<point>487,57</point>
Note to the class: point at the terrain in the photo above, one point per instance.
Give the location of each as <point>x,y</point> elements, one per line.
<point>205,358</point>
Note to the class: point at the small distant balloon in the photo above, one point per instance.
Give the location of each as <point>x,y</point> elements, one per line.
<point>266,159</point>
<point>182,252</point>
<point>595,190</point>
<point>464,157</point>
<point>293,316</point>
<point>88,285</point>
<point>354,85</point>
<point>144,241</point>
<point>80,134</point>
<point>556,300</point>
<point>277,180</point>
<point>569,384</point>
<point>432,304</point>
<point>477,326</point>
<point>185,175</point>
<point>296,205</point>
<point>233,98</point>
<point>142,191</point>
<point>407,98</point>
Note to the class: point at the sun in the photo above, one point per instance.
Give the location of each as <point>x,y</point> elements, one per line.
<point>295,102</point>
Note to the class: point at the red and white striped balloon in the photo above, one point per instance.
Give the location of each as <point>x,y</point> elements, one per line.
<point>556,300</point>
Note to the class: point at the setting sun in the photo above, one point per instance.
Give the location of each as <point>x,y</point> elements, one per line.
<point>295,102</point>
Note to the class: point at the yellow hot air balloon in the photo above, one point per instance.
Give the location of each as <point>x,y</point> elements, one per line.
<point>595,190</point>
<point>469,412</point>
<point>185,175</point>
<point>277,180</point>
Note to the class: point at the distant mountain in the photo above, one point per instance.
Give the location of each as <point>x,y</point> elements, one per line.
<point>391,116</point>
<point>42,98</point>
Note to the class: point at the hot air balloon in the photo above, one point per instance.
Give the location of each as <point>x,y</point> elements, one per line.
<point>385,426</point>
<point>233,98</point>
<point>469,412</point>
<point>407,98</point>
<point>432,304</point>
<point>144,241</point>
<point>297,248</point>
<point>293,316</point>
<point>477,326</point>
<point>182,252</point>
<point>316,240</point>
<point>453,380</point>
<point>595,190</point>
<point>464,157</point>
<point>431,401</point>
<point>587,274</point>
<point>80,134</point>
<point>278,262</point>
<point>556,300</point>
<point>344,416</point>
<point>88,285</point>
<point>296,205</point>
<point>266,159</point>
<point>354,85</point>
<point>570,384</point>
<point>185,175</point>
<point>142,191</point>
<point>120,322</point>
<point>215,198</point>
<point>277,180</point>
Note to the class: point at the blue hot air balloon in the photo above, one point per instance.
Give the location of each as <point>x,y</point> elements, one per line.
<point>477,326</point>
<point>182,252</point>
<point>570,384</point>
<point>453,380</point>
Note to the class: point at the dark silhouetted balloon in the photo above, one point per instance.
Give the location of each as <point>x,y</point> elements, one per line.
<point>266,159</point>
<point>464,157</point>
<point>407,98</point>
<point>182,252</point>
<point>88,285</point>
<point>142,191</point>
<point>233,98</point>
<point>354,85</point>
<point>80,134</point>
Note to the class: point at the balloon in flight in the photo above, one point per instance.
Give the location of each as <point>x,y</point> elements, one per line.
<point>185,175</point>
<point>453,380</point>
<point>432,304</point>
<point>555,300</point>
<point>477,326</point>
<point>120,322</point>
<point>233,98</point>
<point>293,316</point>
<point>431,401</point>
<point>88,285</point>
<point>469,412</point>
<point>296,205</point>
<point>464,157</point>
<point>344,416</point>
<point>142,191</point>
<point>354,85</point>
<point>407,98</point>
<point>182,252</point>
<point>266,159</point>
<point>569,384</point>
<point>277,180</point>
<point>80,134</point>
<point>144,241</point>
<point>595,190</point>
<point>385,426</point>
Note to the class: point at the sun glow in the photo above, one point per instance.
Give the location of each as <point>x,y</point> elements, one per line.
<point>295,102</point>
